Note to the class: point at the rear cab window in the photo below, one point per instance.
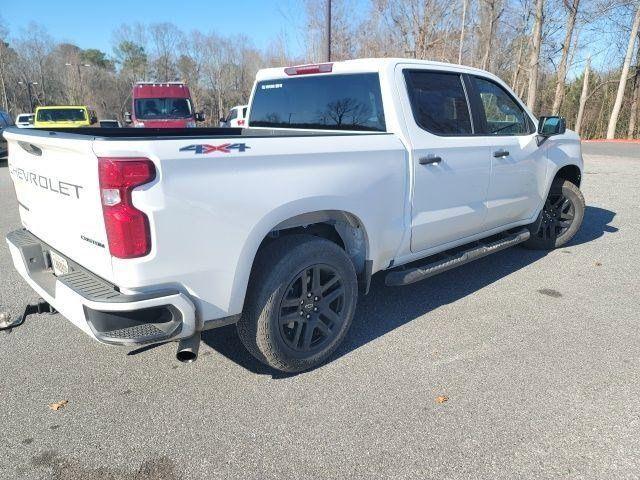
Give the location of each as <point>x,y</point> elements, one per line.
<point>323,102</point>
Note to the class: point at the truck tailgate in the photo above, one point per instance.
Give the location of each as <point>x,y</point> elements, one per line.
<point>57,187</point>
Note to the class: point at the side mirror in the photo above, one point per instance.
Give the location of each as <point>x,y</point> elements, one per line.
<point>127,117</point>
<point>549,126</point>
<point>200,117</point>
<point>223,120</point>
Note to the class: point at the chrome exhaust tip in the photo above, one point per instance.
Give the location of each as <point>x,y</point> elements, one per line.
<point>188,349</point>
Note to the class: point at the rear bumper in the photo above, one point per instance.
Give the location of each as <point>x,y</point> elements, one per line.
<point>95,305</point>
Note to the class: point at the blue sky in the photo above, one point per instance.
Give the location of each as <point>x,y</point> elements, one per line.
<point>91,23</point>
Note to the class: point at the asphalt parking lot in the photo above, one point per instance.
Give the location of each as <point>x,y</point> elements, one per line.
<point>538,355</point>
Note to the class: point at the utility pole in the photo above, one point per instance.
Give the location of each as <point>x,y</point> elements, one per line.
<point>328,30</point>
<point>28,84</point>
<point>78,65</point>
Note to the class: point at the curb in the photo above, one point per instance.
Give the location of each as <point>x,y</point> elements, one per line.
<point>616,140</point>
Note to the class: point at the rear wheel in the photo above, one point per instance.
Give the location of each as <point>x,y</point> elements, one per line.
<point>560,218</point>
<point>300,304</point>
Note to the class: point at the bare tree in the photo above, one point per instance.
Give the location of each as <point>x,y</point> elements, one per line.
<point>583,95</point>
<point>3,53</point>
<point>534,58</point>
<point>465,3</point>
<point>522,41</point>
<point>572,9</point>
<point>491,12</point>
<point>613,119</point>
<point>165,38</point>
<point>635,102</point>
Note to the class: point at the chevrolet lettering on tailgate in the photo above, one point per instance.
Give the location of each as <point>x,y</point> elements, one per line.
<point>46,183</point>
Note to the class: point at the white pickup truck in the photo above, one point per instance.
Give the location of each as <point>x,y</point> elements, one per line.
<point>141,236</point>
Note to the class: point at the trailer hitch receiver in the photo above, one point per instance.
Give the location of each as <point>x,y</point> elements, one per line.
<point>33,308</point>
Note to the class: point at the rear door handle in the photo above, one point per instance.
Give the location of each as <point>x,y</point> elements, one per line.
<point>429,160</point>
<point>501,153</point>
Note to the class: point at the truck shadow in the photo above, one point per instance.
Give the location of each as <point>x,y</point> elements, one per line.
<point>386,308</point>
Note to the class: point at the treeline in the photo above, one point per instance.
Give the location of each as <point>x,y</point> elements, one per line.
<point>576,58</point>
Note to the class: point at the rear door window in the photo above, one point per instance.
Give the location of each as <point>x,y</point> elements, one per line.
<point>439,102</point>
<point>324,102</point>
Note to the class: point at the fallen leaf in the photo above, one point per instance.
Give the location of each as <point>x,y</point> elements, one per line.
<point>598,264</point>
<point>58,405</point>
<point>442,399</point>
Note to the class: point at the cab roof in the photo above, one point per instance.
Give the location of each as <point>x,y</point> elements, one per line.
<point>364,65</point>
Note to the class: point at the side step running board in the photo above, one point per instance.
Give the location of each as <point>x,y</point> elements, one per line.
<point>465,254</point>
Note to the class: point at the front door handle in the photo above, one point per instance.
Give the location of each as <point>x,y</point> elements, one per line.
<point>430,160</point>
<point>501,153</point>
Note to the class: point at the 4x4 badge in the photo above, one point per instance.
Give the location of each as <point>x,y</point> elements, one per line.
<point>224,148</point>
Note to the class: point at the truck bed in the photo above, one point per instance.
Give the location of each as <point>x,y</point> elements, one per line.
<point>208,210</point>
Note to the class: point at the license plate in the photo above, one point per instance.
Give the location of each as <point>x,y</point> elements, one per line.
<point>59,264</point>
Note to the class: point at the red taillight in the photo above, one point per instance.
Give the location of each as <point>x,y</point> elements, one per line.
<point>308,69</point>
<point>127,227</point>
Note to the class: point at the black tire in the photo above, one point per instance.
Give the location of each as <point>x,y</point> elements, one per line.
<point>560,218</point>
<point>317,324</point>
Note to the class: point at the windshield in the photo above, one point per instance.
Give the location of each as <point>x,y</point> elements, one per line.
<point>62,115</point>
<point>150,108</point>
<point>334,102</point>
<point>24,118</point>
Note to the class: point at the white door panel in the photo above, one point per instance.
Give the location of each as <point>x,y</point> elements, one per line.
<point>448,197</point>
<point>514,194</point>
<point>517,162</point>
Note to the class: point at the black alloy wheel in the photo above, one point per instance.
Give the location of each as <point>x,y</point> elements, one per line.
<point>557,216</point>
<point>560,218</point>
<point>300,302</point>
<point>312,309</point>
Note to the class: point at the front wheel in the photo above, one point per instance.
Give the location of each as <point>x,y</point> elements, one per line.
<point>301,300</point>
<point>560,218</point>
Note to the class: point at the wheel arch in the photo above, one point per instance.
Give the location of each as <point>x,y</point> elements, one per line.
<point>571,173</point>
<point>342,227</point>
<point>338,226</point>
